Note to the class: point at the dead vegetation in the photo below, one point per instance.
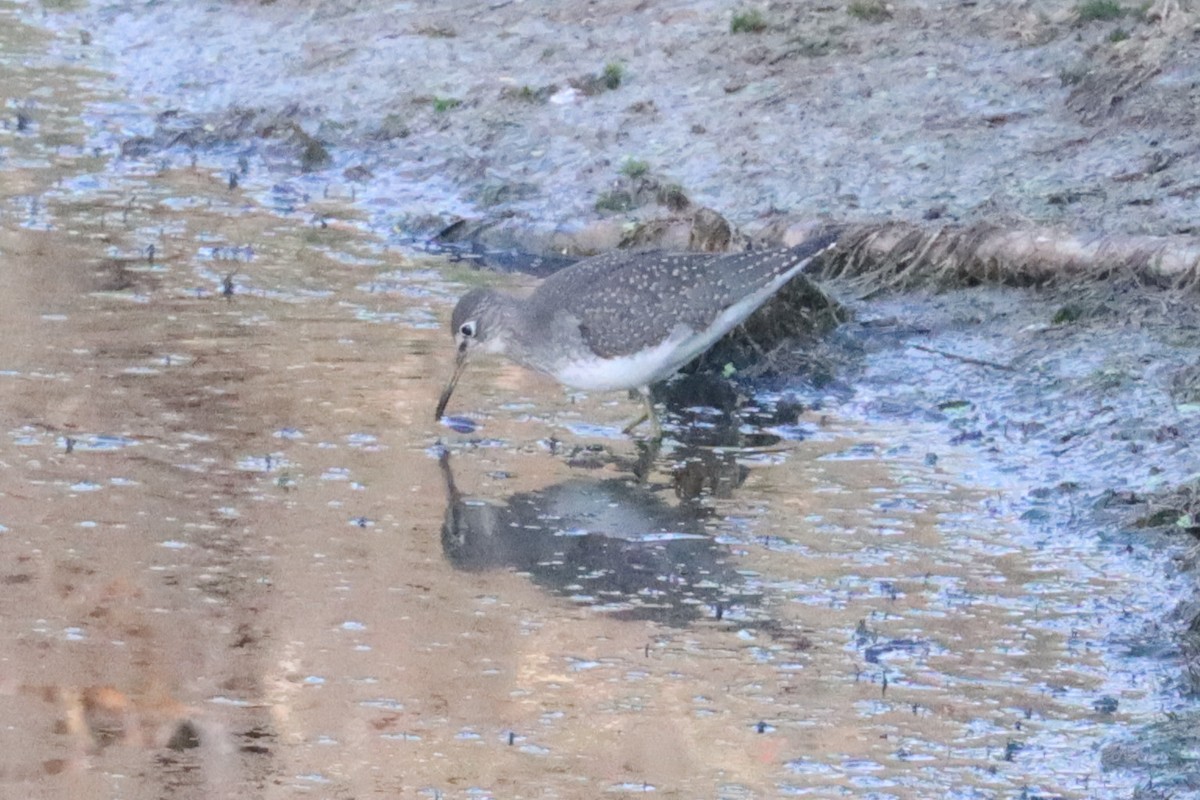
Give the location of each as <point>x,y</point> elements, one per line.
<point>781,337</point>
<point>898,256</point>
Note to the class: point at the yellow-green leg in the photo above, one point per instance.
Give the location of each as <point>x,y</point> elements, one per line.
<point>648,414</point>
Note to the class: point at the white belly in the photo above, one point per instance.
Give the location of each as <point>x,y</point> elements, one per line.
<point>627,372</point>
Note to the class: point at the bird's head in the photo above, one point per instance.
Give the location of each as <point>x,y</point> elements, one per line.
<point>477,324</point>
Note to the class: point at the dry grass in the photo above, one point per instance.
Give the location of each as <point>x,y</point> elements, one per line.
<point>900,256</point>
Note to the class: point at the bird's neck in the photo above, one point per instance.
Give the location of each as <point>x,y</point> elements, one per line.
<point>505,321</point>
<point>524,329</point>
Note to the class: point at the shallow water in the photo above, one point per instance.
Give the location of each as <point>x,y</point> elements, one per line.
<point>239,557</point>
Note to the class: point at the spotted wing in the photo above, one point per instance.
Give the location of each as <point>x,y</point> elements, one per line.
<point>626,302</point>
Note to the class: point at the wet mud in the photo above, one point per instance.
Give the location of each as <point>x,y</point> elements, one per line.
<point>548,126</point>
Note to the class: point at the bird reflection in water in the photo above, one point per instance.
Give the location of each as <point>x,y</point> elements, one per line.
<point>617,543</point>
<point>614,544</point>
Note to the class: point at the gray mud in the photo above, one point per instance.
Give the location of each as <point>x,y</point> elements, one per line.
<point>499,111</point>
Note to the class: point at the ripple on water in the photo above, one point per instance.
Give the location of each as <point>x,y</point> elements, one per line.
<point>590,430</point>
<point>660,536</point>
<point>792,433</point>
<point>94,443</point>
<point>367,441</point>
<point>349,259</point>
<point>383,704</point>
<point>415,318</point>
<point>27,436</point>
<point>858,452</point>
<point>761,459</point>
<point>271,462</point>
<point>459,425</point>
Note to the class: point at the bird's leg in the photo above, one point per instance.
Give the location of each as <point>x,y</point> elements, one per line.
<point>655,427</point>
<point>648,414</point>
<point>628,429</point>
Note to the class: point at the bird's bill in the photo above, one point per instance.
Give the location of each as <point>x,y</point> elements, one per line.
<point>459,362</point>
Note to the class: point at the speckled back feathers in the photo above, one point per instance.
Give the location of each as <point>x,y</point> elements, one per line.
<point>626,302</point>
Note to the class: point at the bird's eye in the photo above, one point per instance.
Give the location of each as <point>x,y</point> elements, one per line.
<point>467,329</point>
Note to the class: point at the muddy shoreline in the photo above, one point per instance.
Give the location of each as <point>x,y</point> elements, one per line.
<point>538,121</point>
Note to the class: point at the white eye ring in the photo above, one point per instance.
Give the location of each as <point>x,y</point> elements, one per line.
<point>467,329</point>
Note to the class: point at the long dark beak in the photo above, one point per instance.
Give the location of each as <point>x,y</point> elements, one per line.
<point>459,361</point>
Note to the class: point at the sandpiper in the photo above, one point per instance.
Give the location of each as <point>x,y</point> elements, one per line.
<point>624,320</point>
